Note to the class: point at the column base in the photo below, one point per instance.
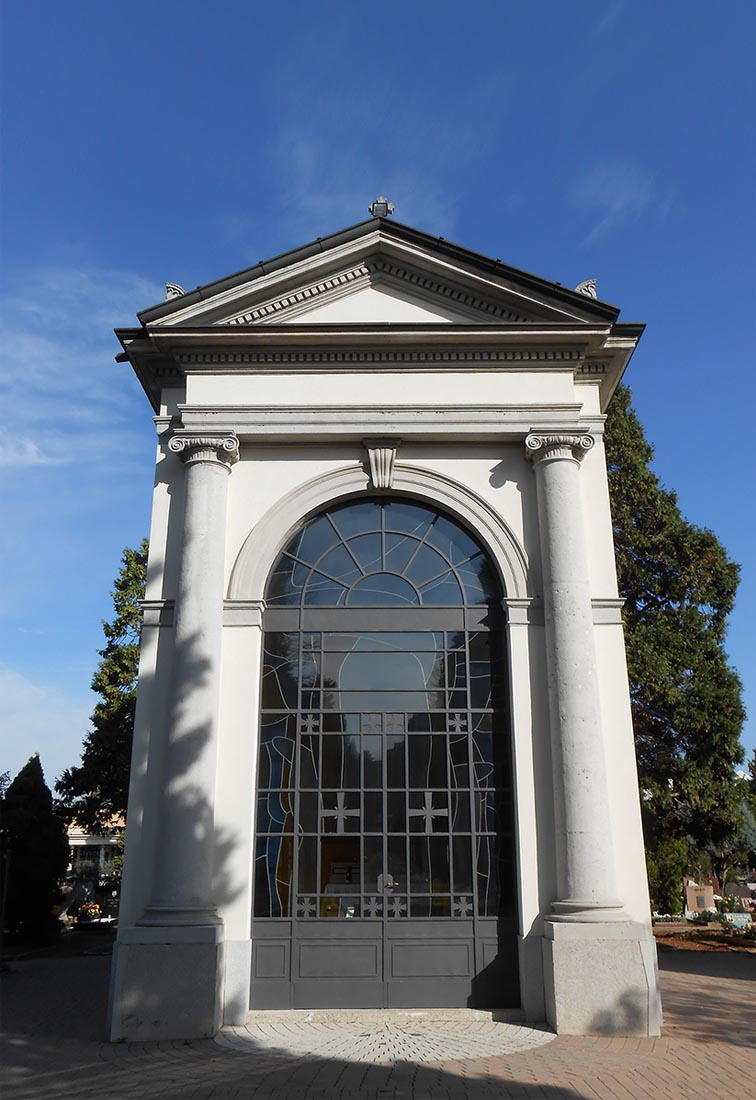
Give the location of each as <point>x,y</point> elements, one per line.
<point>166,983</point>
<point>601,979</point>
<point>584,911</point>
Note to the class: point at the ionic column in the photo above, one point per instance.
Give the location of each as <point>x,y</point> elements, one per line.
<point>586,880</point>
<point>182,876</point>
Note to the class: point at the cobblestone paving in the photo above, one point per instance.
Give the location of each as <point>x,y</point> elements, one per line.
<point>54,1047</point>
<point>384,1037</point>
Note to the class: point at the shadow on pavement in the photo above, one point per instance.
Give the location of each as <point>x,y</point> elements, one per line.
<point>708,996</point>
<point>740,965</point>
<point>54,1024</point>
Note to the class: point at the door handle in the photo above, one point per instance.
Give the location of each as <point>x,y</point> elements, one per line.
<point>386,882</point>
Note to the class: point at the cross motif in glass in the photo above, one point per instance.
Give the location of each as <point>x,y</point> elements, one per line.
<point>341,813</point>
<point>394,723</point>
<point>306,907</point>
<point>371,723</point>
<point>374,907</point>
<point>310,723</point>
<point>462,907</point>
<point>397,906</point>
<point>428,812</point>
<point>457,723</point>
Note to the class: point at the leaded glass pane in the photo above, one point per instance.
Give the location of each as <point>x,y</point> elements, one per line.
<point>357,518</point>
<point>272,876</point>
<point>454,543</point>
<point>277,748</point>
<point>314,540</point>
<point>340,565</point>
<point>280,671</point>
<point>480,582</point>
<point>412,518</point>
<point>367,550</point>
<point>427,761</point>
<point>274,812</point>
<point>399,550</point>
<point>383,590</point>
<point>426,565</point>
<point>372,760</point>
<point>324,592</point>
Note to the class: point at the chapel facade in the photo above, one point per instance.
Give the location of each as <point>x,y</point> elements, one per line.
<point>383,753</point>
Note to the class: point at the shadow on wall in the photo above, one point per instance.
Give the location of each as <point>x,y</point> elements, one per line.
<point>180,799</point>
<point>155,990</point>
<point>627,1017</point>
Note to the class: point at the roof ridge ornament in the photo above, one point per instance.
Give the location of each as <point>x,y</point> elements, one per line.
<point>381,207</point>
<point>173,290</point>
<point>587,287</point>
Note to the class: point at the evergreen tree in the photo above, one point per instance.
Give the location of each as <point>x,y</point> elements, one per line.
<point>679,586</point>
<point>34,852</point>
<point>98,788</point>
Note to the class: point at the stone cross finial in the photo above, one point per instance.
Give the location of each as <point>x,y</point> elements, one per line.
<point>381,207</point>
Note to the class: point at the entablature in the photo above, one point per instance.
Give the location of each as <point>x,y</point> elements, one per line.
<point>165,357</point>
<point>339,424</point>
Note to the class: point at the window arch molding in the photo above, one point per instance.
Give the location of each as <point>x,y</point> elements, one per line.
<point>272,532</point>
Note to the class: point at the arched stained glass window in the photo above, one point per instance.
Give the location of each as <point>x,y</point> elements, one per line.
<point>382,554</point>
<point>384,781</point>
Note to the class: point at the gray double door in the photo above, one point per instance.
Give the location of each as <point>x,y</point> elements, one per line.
<point>384,857</point>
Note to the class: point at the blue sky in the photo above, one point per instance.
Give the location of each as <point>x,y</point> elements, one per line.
<point>180,141</point>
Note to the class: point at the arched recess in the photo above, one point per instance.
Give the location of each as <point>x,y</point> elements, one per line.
<point>385,843</point>
<point>264,542</point>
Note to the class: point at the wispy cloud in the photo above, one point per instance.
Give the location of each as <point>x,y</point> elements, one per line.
<point>612,10</point>
<point>423,152</point>
<point>61,394</point>
<point>39,718</point>
<point>613,193</point>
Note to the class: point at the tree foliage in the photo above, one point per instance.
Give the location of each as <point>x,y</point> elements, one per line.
<point>679,586</point>
<point>34,852</point>
<point>666,865</point>
<point>98,788</point>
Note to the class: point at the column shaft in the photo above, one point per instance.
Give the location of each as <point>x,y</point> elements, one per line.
<point>182,876</point>
<point>585,853</point>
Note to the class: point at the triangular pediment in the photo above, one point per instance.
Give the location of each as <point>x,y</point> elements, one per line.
<point>378,272</point>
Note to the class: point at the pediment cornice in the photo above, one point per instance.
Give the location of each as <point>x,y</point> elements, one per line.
<point>378,271</point>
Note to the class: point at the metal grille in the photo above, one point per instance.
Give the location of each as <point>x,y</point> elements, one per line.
<point>384,787</point>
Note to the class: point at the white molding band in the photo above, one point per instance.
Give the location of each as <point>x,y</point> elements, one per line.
<point>356,422</point>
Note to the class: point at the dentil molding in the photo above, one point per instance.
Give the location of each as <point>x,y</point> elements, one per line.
<point>369,272</point>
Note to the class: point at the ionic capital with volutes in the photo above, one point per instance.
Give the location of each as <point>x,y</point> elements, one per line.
<point>540,446</point>
<point>214,447</point>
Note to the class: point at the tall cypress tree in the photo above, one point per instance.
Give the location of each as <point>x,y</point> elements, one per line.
<point>98,788</point>
<point>679,586</point>
<point>34,852</point>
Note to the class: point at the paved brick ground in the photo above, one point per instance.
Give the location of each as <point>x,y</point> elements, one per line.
<point>53,1008</point>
